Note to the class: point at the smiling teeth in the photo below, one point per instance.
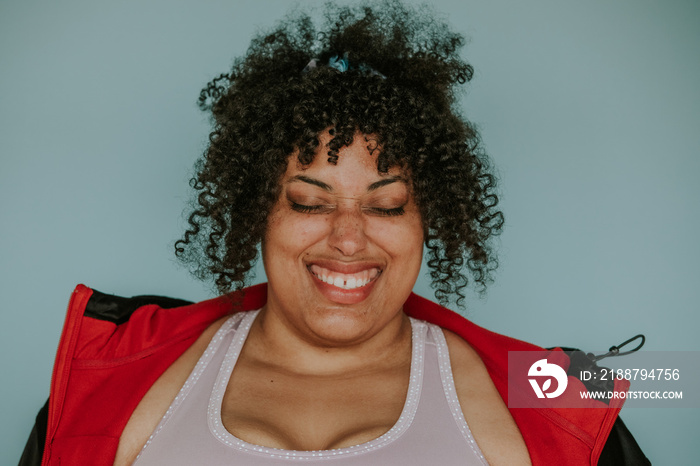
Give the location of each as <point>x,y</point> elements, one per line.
<point>343,280</point>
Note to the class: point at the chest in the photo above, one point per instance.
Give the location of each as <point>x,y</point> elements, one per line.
<point>270,407</point>
<point>232,407</point>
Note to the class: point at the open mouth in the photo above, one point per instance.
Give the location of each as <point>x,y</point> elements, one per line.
<point>345,281</point>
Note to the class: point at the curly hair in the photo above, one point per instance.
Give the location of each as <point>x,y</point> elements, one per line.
<point>402,90</point>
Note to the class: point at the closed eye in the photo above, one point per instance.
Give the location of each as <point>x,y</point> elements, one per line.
<point>326,208</point>
<point>310,209</point>
<point>386,212</point>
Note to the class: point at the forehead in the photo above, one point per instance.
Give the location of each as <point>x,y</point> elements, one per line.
<point>356,163</point>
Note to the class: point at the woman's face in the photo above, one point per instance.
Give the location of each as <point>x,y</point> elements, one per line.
<point>343,246</point>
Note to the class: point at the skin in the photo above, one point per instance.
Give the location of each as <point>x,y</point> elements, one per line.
<point>324,367</point>
<point>317,353</point>
<point>344,218</point>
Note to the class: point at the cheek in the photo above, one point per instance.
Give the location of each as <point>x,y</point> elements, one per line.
<point>290,232</point>
<point>308,232</point>
<point>401,238</point>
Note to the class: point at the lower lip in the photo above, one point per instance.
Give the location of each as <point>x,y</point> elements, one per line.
<point>342,296</point>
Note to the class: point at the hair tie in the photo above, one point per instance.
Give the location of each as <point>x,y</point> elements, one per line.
<point>342,64</point>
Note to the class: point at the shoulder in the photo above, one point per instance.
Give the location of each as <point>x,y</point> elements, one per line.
<point>160,396</point>
<point>112,351</point>
<point>103,326</point>
<point>486,413</point>
<point>548,432</point>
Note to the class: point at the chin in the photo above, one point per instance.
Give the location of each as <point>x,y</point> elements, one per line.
<point>340,324</point>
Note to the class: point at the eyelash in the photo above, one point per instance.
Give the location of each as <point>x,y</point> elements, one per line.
<point>396,211</point>
<point>310,209</point>
<point>306,209</point>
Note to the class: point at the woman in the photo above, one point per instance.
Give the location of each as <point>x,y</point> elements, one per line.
<point>341,154</point>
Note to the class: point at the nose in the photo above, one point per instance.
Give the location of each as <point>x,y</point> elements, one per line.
<point>348,231</point>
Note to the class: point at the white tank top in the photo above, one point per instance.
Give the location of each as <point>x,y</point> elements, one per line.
<point>430,431</point>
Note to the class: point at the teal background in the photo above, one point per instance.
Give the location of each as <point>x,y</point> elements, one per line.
<point>590,110</point>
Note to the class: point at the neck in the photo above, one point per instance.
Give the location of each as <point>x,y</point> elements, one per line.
<point>275,340</point>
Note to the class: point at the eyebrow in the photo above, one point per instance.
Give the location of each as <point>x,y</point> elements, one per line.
<point>312,181</point>
<point>386,181</point>
<point>326,187</point>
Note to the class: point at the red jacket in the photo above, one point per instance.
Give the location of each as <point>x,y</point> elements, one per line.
<point>110,355</point>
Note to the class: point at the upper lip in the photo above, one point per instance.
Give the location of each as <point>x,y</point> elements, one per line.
<point>345,267</point>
